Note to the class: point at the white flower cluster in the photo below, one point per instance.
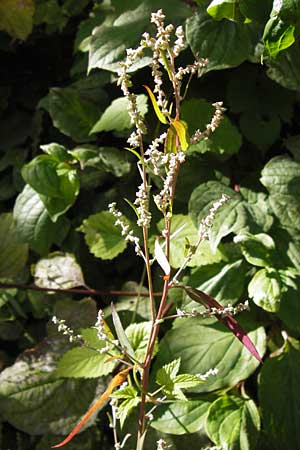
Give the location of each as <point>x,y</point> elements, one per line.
<point>99,325</point>
<point>142,204</point>
<point>191,69</point>
<point>154,157</point>
<point>207,222</point>
<point>125,229</point>
<point>64,329</point>
<point>162,444</point>
<point>163,198</point>
<point>210,127</point>
<point>229,309</point>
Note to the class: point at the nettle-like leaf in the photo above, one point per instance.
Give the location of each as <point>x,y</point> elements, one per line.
<point>71,113</point>
<point>258,249</point>
<point>13,252</point>
<point>278,36</point>
<point>17,18</point>
<point>278,382</point>
<point>205,36</point>
<point>138,335</point>
<point>130,398</point>
<point>33,223</point>
<point>56,182</point>
<point>116,116</point>
<point>58,271</point>
<point>226,139</point>
<point>102,236</point>
<point>202,347</point>
<point>265,289</point>
<point>233,423</point>
<point>181,416</point>
<point>244,211</point>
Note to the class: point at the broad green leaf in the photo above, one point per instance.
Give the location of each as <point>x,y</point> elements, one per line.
<point>57,151</point>
<point>289,310</point>
<point>78,314</point>
<point>70,113</point>
<point>83,362</point>
<point>35,401</point>
<point>233,423</point>
<point>225,9</point>
<point>109,159</point>
<point>183,229</point>
<point>116,116</point>
<point>109,42</point>
<point>122,336</point>
<point>206,38</point>
<point>58,271</point>
<point>138,335</point>
<point>261,130</point>
<point>288,11</point>
<point>257,11</point>
<point>16,18</point>
<point>224,140</point>
<point>258,249</point>
<point>13,253</point>
<point>244,211</point>
<point>102,236</point>
<point>285,70</point>
<point>33,223</point>
<point>281,177</point>
<point>278,36</point>
<point>202,347</point>
<point>181,417</point>
<point>279,397</point>
<point>125,408</point>
<point>165,376</point>
<point>265,289</point>
<point>223,281</point>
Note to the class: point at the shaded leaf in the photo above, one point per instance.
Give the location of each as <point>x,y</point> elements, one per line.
<point>13,253</point>
<point>122,336</point>
<point>258,249</point>
<point>16,18</point>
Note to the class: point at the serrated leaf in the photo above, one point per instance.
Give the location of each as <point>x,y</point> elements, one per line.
<point>280,417</point>
<point>226,139</point>
<point>122,336</point>
<point>16,18</point>
<point>181,417</point>
<point>233,423</point>
<point>202,347</point>
<point>205,36</point>
<point>102,236</point>
<point>138,335</point>
<point>265,289</point>
<point>58,271</point>
<point>83,362</point>
<point>13,253</point>
<point>116,116</point>
<point>33,223</point>
<point>258,249</point>
<point>125,408</point>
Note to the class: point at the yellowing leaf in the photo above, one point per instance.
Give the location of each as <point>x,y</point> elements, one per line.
<point>158,112</point>
<point>115,382</point>
<point>170,142</point>
<point>16,17</point>
<point>181,130</point>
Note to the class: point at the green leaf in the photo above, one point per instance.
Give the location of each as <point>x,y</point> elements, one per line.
<point>233,423</point>
<point>35,401</point>
<point>83,362</point>
<point>13,253</point>
<point>245,210</point>
<point>289,310</point>
<point>265,289</point>
<point>225,9</point>
<point>281,177</point>
<point>202,347</point>
<point>58,271</point>
<point>183,229</point>
<point>224,140</point>
<point>78,314</point>
<point>72,114</point>
<point>278,36</point>
<point>279,398</point>
<point>206,37</point>
<point>285,70</point>
<point>257,11</point>
<point>57,151</point>
<point>17,18</point>
<point>122,336</point>
<point>109,42</point>
<point>261,130</point>
<point>181,417</point>
<point>116,116</point>
<point>288,11</point>
<point>126,407</point>
<point>33,223</point>
<point>109,159</point>
<point>102,236</point>
<point>258,249</point>
<point>138,335</point>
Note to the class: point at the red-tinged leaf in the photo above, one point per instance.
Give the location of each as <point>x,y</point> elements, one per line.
<point>227,319</point>
<point>181,130</point>
<point>158,112</point>
<point>115,382</point>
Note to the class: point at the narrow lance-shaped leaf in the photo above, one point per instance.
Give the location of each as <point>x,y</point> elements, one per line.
<point>181,130</point>
<point>121,333</point>
<point>158,112</point>
<point>161,258</point>
<point>227,319</point>
<point>115,382</point>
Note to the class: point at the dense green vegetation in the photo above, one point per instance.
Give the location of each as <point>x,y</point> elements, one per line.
<point>63,132</point>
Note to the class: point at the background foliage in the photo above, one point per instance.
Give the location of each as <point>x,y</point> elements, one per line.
<point>63,129</point>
